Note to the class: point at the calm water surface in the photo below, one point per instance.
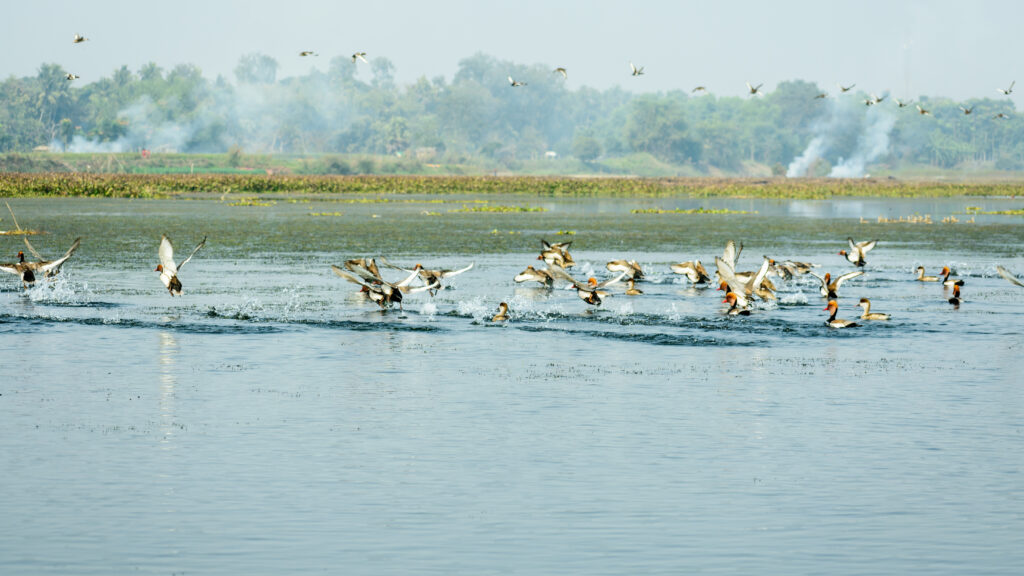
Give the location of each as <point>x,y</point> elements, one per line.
<point>272,422</point>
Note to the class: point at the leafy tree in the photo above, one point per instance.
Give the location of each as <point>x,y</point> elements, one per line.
<point>256,68</point>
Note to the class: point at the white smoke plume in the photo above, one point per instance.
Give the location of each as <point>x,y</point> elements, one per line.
<point>873,144</point>
<point>847,127</point>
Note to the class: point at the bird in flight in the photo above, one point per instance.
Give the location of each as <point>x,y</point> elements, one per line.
<point>1001,116</point>
<point>308,53</point>
<point>846,88</point>
<point>636,71</point>
<point>821,96</point>
<point>562,71</point>
<point>359,56</point>
<point>699,89</point>
<point>70,76</point>
<point>922,111</point>
<point>902,103</point>
<point>1006,91</point>
<point>515,83</point>
<point>967,111</point>
<point>754,89</point>
<point>78,39</point>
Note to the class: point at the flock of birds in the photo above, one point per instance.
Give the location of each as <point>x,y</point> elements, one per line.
<point>635,70</point>
<point>741,288</point>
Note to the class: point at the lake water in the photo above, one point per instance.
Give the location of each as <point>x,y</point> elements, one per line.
<point>271,421</point>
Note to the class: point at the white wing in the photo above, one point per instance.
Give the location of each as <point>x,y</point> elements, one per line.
<point>824,287</point>
<point>1006,274</point>
<point>758,278</point>
<point>612,281</point>
<point>167,257</point>
<point>10,268</point>
<point>194,250</point>
<point>450,273</point>
<point>406,281</point>
<point>51,266</point>
<point>727,274</point>
<point>865,246</point>
<point>847,276</point>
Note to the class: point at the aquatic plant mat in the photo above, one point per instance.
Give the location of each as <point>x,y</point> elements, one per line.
<point>150,186</point>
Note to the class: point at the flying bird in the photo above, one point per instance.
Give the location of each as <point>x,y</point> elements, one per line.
<point>515,83</point>
<point>1006,91</point>
<point>69,76</point>
<point>168,269</point>
<point>754,89</point>
<point>903,103</point>
<point>877,100</point>
<point>967,111</point>
<point>359,56</point>
<point>845,89</point>
<point>922,111</point>
<point>699,89</point>
<point>78,39</point>
<point>1001,116</point>
<point>636,71</point>
<point>308,53</point>
<point>821,96</point>
<point>562,71</point>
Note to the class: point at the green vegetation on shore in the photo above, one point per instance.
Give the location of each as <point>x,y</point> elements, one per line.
<point>156,186</point>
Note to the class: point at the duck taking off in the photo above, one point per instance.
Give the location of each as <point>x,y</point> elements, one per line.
<point>857,251</point>
<point>168,269</point>
<point>829,287</point>
<point>29,272</point>
<point>592,292</point>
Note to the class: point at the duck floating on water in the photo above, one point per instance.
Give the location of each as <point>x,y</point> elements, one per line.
<point>955,300</point>
<point>502,314</point>
<point>834,322</point>
<point>868,314</point>
<point>922,278</point>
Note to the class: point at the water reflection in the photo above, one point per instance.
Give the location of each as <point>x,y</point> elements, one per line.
<point>168,364</point>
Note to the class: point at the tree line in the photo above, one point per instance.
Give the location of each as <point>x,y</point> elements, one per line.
<point>359,108</point>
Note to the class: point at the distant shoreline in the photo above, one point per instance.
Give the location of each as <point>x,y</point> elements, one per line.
<point>65,184</point>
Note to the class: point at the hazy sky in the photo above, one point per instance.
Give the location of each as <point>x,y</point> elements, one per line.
<point>941,48</point>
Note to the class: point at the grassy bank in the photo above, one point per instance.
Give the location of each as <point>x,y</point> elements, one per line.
<point>154,186</point>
